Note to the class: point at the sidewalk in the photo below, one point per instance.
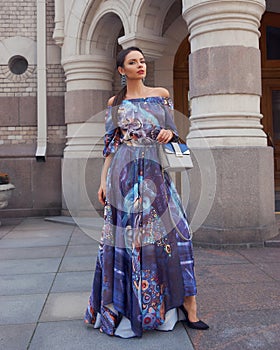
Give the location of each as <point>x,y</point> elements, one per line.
<point>46,272</point>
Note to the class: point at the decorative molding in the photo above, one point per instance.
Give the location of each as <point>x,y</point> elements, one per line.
<point>7,74</point>
<point>58,34</point>
<point>152,46</point>
<point>85,72</point>
<point>220,23</point>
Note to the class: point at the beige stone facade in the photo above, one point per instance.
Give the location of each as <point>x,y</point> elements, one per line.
<point>216,79</point>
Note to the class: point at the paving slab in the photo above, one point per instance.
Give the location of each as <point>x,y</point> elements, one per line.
<point>74,335</point>
<point>261,255</point>
<point>73,282</point>
<point>82,250</point>
<point>235,273</point>
<point>16,337</point>
<point>26,284</point>
<point>20,309</point>
<point>49,234</point>
<point>25,266</point>
<point>4,230</point>
<point>238,294</point>
<point>65,306</point>
<point>271,269</point>
<point>24,242</point>
<point>35,223</point>
<point>31,253</point>
<point>2,234</point>
<point>78,263</point>
<point>80,238</point>
<point>239,297</point>
<point>240,330</point>
<point>218,257</point>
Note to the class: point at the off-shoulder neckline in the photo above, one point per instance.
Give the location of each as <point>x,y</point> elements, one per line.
<point>147,98</point>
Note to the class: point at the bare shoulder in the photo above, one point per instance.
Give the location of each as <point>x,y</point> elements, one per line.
<point>110,101</point>
<point>160,91</point>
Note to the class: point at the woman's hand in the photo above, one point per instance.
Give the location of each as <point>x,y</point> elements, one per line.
<point>101,194</point>
<point>165,136</point>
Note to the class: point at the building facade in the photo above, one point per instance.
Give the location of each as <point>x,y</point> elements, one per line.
<point>57,62</point>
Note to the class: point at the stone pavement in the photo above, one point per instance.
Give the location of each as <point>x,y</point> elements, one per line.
<point>46,271</point>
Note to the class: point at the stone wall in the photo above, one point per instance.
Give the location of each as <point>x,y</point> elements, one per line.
<point>38,185</point>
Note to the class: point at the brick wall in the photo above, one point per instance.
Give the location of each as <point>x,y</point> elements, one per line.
<point>18,85</point>
<point>18,18</point>
<point>12,135</point>
<point>50,21</point>
<point>55,80</point>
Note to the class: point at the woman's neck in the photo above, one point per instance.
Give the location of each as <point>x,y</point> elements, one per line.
<point>136,89</point>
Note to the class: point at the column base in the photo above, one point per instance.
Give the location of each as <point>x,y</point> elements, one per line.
<point>80,183</point>
<point>217,238</point>
<point>233,187</point>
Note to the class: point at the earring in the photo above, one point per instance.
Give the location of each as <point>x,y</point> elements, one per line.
<point>123,80</point>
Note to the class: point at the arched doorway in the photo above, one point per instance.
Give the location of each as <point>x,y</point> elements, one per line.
<point>270,102</point>
<point>181,87</point>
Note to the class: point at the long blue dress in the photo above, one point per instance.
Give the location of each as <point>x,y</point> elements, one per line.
<point>144,266</point>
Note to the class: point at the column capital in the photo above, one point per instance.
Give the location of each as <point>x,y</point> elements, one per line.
<point>223,23</point>
<point>86,72</point>
<point>152,46</point>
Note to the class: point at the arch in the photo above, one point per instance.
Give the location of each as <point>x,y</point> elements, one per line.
<point>106,18</point>
<point>174,12</point>
<point>181,77</point>
<point>84,16</point>
<point>150,15</point>
<point>102,36</point>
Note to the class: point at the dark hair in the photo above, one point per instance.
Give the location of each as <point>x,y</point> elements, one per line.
<point>120,63</point>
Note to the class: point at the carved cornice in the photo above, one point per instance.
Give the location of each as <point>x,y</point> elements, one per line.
<point>153,46</point>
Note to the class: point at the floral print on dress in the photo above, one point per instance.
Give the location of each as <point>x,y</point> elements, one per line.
<point>143,269</point>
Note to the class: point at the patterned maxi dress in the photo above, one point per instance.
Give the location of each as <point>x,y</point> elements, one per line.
<point>144,267</point>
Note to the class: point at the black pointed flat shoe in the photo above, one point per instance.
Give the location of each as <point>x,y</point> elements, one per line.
<point>200,325</point>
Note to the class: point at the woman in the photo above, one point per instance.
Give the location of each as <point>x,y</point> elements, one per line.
<point>144,276</point>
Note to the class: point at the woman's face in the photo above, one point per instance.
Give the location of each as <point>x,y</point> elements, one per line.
<point>134,66</point>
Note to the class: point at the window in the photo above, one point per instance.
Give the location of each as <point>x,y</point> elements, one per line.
<point>18,65</point>
<point>272,43</point>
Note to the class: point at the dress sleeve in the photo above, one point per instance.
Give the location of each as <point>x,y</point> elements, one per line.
<point>112,137</point>
<point>169,119</point>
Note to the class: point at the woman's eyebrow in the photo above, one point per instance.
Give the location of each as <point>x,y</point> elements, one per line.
<point>136,59</point>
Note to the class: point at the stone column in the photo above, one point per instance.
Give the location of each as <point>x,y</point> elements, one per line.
<point>225,90</point>
<point>89,85</point>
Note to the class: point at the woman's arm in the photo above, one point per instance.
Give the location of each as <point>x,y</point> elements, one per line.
<point>102,188</point>
<point>165,135</point>
<point>104,172</point>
